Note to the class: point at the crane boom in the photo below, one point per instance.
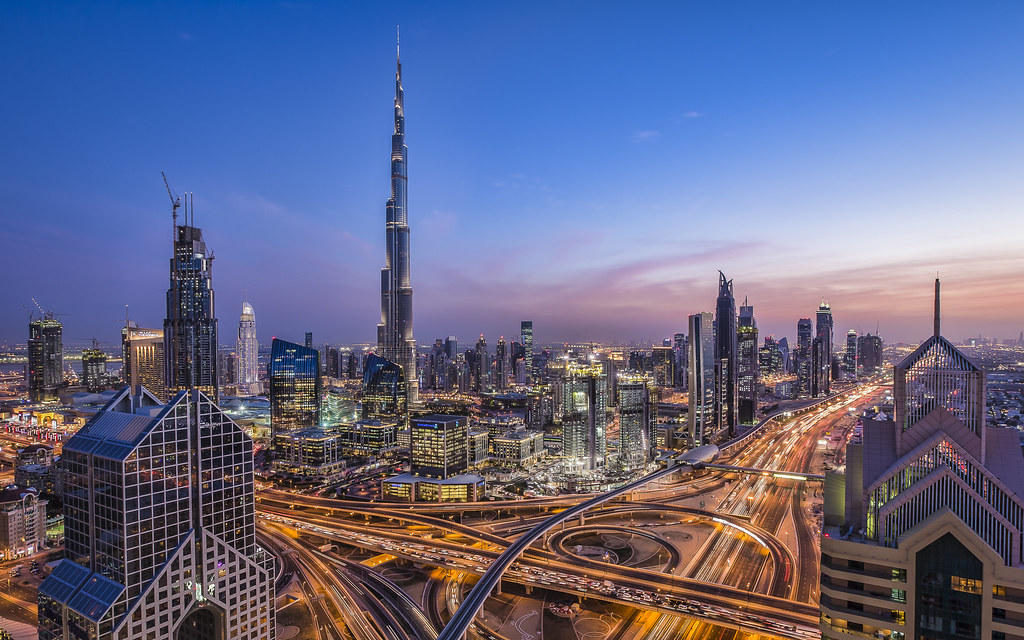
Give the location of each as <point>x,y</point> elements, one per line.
<point>175,200</point>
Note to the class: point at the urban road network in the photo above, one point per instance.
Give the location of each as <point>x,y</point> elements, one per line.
<point>704,553</point>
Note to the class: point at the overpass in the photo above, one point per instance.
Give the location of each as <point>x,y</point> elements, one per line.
<point>467,612</point>
<point>768,473</point>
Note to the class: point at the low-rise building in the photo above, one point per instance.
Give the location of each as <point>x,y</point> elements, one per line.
<point>519,448</point>
<point>311,451</point>
<point>408,487</point>
<point>22,522</point>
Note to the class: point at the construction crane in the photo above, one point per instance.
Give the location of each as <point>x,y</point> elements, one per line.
<point>175,200</point>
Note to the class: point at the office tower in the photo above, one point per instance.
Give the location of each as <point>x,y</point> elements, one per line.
<point>803,357</point>
<point>394,333</point>
<point>159,528</point>
<point>679,349</point>
<point>748,372</point>
<point>638,421</point>
<point>128,324</point>
<point>923,533</point>
<point>770,358</point>
<point>583,409</point>
<point>850,354</point>
<point>611,376</point>
<point>295,385</point>
<point>823,363</point>
<point>190,328</point>
<point>663,364</point>
<point>45,358</point>
<point>94,368</point>
<point>701,368</point>
<point>502,363</point>
<point>246,349</point>
<point>482,360</point>
<point>440,446</point>
<point>869,354</point>
<point>144,362</point>
<point>384,393</point>
<point>227,368</point>
<point>334,361</point>
<point>726,365</point>
<point>784,352</point>
<point>526,337</point>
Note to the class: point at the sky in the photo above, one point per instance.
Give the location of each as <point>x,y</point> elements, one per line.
<point>586,165</point>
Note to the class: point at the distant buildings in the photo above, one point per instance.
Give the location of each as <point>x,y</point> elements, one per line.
<point>246,350</point>
<point>923,533</point>
<point>394,333</point>
<point>190,328</point>
<point>583,411</point>
<point>45,359</point>
<point>663,363</point>
<point>748,377</point>
<point>526,339</point>
<point>159,528</point>
<point>869,354</point>
<point>802,357</point>
<point>296,388</point>
<point>701,386</point>
<point>770,358</point>
<point>726,359</point>
<point>821,352</point>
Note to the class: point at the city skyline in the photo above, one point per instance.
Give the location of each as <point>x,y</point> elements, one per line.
<point>819,185</point>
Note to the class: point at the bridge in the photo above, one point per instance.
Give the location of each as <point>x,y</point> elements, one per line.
<point>467,612</point>
<point>769,473</point>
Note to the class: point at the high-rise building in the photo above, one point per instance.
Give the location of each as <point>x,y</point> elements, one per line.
<point>159,528</point>
<point>482,361</point>
<point>502,364</point>
<point>440,446</point>
<point>45,358</point>
<point>770,358</point>
<point>526,338</point>
<point>850,354</point>
<point>638,421</point>
<point>295,385</point>
<point>701,368</point>
<point>144,360</point>
<point>383,393</point>
<point>584,414</point>
<point>94,368</point>
<point>247,349</point>
<point>823,362</point>
<point>923,533</point>
<point>679,348</point>
<point>190,328</point>
<point>802,358</point>
<point>663,361</point>
<point>869,354</point>
<point>748,372</point>
<point>726,364</point>
<point>394,333</point>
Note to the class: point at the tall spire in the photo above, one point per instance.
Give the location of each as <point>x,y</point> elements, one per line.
<point>936,318</point>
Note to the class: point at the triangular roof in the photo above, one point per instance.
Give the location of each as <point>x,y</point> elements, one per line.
<point>938,343</point>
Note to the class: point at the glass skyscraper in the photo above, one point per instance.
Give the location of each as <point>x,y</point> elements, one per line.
<point>747,360</point>
<point>190,328</point>
<point>293,376</point>
<point>247,348</point>
<point>45,359</point>
<point>638,421</point>
<point>526,338</point>
<point>394,333</point>
<point>701,370</point>
<point>584,397</point>
<point>726,365</point>
<point>383,388</point>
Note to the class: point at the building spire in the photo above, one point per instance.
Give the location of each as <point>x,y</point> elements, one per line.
<point>936,318</point>
<point>398,43</point>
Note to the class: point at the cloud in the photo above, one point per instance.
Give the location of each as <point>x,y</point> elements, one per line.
<point>692,114</point>
<point>185,36</point>
<point>646,135</point>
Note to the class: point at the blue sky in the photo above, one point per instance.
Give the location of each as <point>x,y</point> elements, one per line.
<point>586,165</point>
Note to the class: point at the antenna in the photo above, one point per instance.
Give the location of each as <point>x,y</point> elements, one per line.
<point>398,42</point>
<point>936,317</point>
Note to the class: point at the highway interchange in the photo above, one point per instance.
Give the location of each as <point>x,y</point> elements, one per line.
<point>753,573</point>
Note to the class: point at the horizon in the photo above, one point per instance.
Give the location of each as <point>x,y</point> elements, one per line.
<point>808,154</point>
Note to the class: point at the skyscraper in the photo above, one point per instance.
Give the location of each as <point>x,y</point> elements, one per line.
<point>748,374</point>
<point>502,364</point>
<point>823,363</point>
<point>638,420</point>
<point>850,355</point>
<point>394,333</point>
<point>247,348</point>
<point>94,368</point>
<point>482,361</point>
<point>923,533</point>
<point>144,360</point>
<point>869,354</point>
<point>383,389</point>
<point>802,358</point>
<point>663,361</point>
<point>679,348</point>
<point>190,328</point>
<point>45,358</point>
<point>701,369</point>
<point>293,378</point>
<point>439,446</point>
<point>726,365</point>
<point>526,337</point>
<point>584,405</point>
<point>159,528</point>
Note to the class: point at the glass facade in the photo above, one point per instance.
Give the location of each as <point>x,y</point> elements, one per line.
<point>949,589</point>
<point>383,388</point>
<point>293,376</point>
<point>584,415</point>
<point>701,369</point>
<point>439,446</point>
<point>45,359</point>
<point>726,364</point>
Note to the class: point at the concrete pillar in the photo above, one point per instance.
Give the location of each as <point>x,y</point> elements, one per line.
<point>583,518</point>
